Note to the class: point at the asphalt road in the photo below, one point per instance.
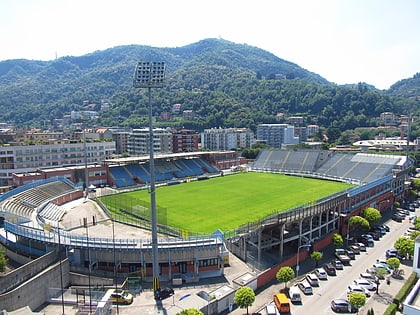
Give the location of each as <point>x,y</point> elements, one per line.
<point>336,287</point>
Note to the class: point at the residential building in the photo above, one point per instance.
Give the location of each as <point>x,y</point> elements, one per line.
<point>388,119</point>
<point>188,114</point>
<point>28,158</point>
<point>139,141</point>
<point>185,140</point>
<point>275,135</point>
<point>121,141</point>
<point>225,139</point>
<point>312,130</point>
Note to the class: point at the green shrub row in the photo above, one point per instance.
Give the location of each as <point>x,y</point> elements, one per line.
<point>391,309</point>
<point>405,289</point>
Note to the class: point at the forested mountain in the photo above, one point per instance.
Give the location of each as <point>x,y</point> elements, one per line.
<point>225,84</point>
<point>406,87</point>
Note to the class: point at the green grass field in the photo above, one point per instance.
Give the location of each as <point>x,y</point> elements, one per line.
<point>225,202</point>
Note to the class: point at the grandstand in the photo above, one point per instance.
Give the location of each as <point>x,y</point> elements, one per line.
<point>37,200</point>
<point>356,168</point>
<point>165,170</point>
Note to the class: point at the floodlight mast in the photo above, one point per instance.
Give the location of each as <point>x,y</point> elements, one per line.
<point>151,75</point>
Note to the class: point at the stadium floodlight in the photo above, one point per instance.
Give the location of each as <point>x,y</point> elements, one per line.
<point>151,75</point>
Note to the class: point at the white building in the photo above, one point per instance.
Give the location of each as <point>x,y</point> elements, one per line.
<point>226,139</point>
<point>277,134</point>
<point>411,304</point>
<point>28,158</point>
<point>139,141</point>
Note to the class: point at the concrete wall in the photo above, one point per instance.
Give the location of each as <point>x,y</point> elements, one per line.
<point>25,272</point>
<point>34,293</point>
<point>270,274</point>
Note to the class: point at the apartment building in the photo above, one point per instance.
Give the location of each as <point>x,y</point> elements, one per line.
<point>139,141</point>
<point>28,158</point>
<point>275,135</point>
<point>185,140</point>
<point>226,139</point>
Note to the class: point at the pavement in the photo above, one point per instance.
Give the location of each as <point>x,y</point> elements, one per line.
<point>379,302</point>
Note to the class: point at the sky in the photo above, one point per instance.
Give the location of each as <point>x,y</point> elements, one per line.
<point>344,41</point>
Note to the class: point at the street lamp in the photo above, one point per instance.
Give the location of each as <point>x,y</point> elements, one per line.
<point>297,257</point>
<point>151,75</point>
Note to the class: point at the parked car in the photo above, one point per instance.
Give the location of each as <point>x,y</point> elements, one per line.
<point>375,235</point>
<point>355,288</point>
<point>305,287</point>
<point>330,269</point>
<point>379,266</point>
<point>341,254</point>
<point>380,230</point>
<point>338,264</point>
<point>396,217</point>
<point>374,272</point>
<point>368,276</point>
<point>271,309</point>
<point>355,248</point>
<point>386,227</point>
<point>321,274</point>
<point>342,306</point>
<point>392,252</point>
<point>294,294</point>
<point>350,253</point>
<point>365,283</point>
<point>312,279</point>
<point>121,297</point>
<point>367,240</point>
<point>362,247</point>
<point>164,293</point>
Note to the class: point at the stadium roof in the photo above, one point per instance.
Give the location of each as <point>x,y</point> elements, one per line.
<point>145,158</point>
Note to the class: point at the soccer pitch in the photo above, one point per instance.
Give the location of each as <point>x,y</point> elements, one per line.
<point>226,202</point>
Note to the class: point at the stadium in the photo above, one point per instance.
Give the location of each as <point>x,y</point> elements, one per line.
<point>62,231</point>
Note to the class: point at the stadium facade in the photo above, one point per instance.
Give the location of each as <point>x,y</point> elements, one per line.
<point>32,213</point>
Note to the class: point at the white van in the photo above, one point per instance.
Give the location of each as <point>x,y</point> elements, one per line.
<point>294,294</point>
<point>312,279</point>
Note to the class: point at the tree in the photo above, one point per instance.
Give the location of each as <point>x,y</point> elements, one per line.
<point>316,256</point>
<point>393,263</point>
<point>285,274</point>
<point>372,215</point>
<point>337,240</point>
<point>358,224</point>
<point>190,311</point>
<point>3,260</point>
<point>244,297</point>
<point>415,183</point>
<point>414,234</point>
<point>405,246</point>
<point>357,299</point>
<point>416,224</point>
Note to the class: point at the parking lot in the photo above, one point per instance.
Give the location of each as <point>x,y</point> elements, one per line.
<point>337,286</point>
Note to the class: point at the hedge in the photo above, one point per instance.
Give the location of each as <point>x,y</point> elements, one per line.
<point>405,289</point>
<point>391,309</point>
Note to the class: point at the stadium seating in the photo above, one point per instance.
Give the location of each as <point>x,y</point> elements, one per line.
<point>360,167</point>
<point>121,177</point>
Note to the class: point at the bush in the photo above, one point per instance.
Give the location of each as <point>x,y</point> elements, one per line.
<point>392,309</point>
<point>408,285</point>
<point>3,261</point>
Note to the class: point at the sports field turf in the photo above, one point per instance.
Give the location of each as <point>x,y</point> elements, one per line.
<point>227,202</point>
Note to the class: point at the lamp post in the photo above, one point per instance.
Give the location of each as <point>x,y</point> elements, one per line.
<point>297,258</point>
<point>115,261</point>
<point>151,75</point>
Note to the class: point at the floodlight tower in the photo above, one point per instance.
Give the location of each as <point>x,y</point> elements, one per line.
<point>151,75</point>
